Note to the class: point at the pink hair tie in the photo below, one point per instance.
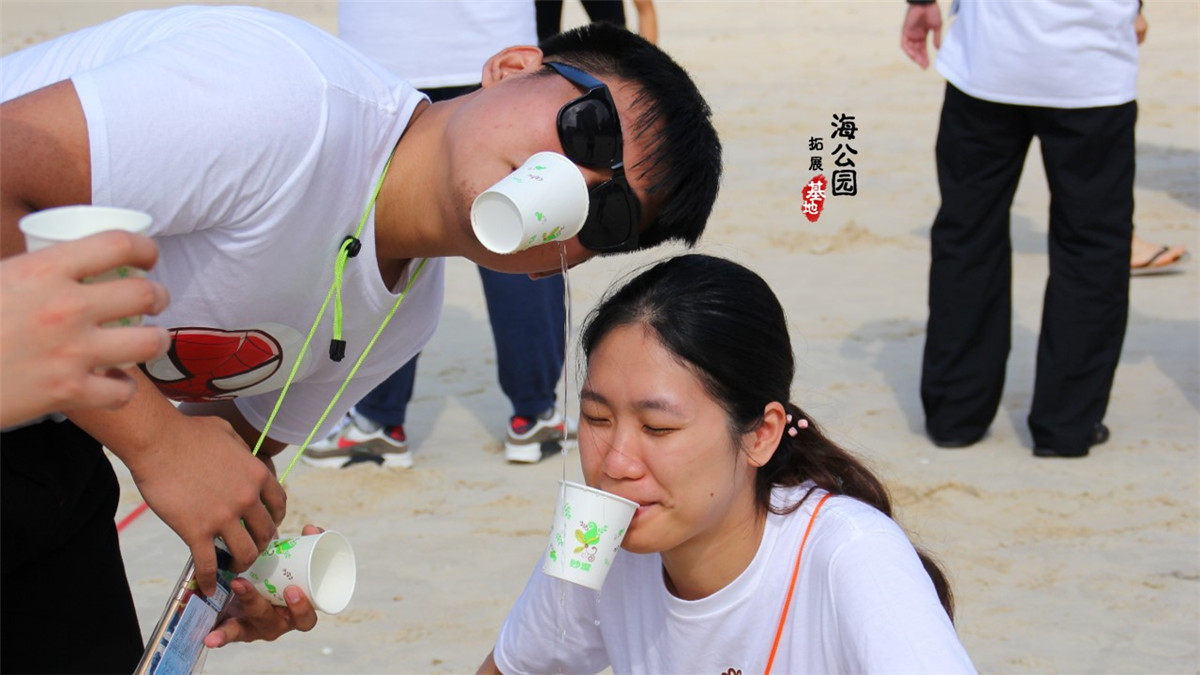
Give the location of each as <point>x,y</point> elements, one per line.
<point>794,429</point>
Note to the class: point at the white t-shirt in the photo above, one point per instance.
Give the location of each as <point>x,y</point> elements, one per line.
<point>445,42</point>
<point>255,141</point>
<point>1051,53</point>
<point>863,604</point>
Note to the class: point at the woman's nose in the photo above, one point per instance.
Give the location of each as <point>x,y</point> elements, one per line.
<point>621,459</point>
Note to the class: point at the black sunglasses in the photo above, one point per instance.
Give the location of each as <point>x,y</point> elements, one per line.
<point>590,133</point>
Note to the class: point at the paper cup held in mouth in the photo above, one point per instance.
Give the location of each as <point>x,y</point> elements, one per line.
<point>322,565</point>
<point>68,223</point>
<point>589,525</point>
<point>545,200</point>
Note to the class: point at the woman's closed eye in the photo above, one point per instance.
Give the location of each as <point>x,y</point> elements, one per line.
<point>595,420</point>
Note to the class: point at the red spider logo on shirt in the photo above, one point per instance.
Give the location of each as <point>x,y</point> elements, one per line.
<point>210,364</point>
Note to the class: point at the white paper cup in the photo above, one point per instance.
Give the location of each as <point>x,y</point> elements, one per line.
<point>68,223</point>
<point>322,565</point>
<point>543,201</point>
<point>589,525</point>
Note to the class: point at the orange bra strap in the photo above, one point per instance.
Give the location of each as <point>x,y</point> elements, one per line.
<point>787,601</point>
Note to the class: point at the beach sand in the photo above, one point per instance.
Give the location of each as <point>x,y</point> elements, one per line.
<point>1059,566</point>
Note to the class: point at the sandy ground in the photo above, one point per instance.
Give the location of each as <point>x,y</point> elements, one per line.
<point>1058,566</point>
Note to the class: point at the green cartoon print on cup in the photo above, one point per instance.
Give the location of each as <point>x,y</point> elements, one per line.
<point>281,548</point>
<point>588,536</point>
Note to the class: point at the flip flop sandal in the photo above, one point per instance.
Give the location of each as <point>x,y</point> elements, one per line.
<point>1150,266</point>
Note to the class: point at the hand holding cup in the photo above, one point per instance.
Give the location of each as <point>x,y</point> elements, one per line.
<point>56,354</point>
<point>321,564</point>
<point>252,616</point>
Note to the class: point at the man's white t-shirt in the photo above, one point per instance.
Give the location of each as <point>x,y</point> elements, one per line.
<point>862,604</point>
<point>1049,53</point>
<point>255,141</point>
<point>444,42</point>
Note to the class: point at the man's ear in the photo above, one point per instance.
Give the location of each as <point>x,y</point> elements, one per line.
<point>766,436</point>
<point>510,61</point>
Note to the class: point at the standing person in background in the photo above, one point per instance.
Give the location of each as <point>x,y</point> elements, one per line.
<point>1066,73</point>
<point>1146,257</point>
<point>549,16</point>
<point>440,47</point>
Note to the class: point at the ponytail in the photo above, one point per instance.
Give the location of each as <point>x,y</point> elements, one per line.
<point>809,455</point>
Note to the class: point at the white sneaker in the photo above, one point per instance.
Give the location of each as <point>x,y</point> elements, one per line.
<point>357,439</point>
<point>529,441</point>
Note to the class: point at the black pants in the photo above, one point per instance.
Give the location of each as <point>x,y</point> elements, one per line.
<point>549,14</point>
<point>65,604</point>
<point>1088,155</point>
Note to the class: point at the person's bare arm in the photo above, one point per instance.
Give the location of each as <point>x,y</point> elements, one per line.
<point>195,472</point>
<point>488,667</point>
<point>647,20</point>
<point>919,22</point>
<point>229,412</point>
<point>44,154</point>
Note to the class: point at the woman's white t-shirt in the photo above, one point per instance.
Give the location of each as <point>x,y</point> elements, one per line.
<point>863,603</point>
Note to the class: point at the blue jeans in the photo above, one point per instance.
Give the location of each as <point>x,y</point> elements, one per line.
<point>529,326</point>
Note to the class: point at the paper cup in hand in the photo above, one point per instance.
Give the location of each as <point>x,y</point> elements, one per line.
<point>322,565</point>
<point>68,223</point>
<point>543,201</point>
<point>589,525</point>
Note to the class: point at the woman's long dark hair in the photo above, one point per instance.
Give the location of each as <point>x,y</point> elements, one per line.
<point>725,321</point>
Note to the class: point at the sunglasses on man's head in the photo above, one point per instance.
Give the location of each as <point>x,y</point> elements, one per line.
<point>590,133</point>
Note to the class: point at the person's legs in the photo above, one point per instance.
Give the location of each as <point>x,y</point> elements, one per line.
<point>373,431</point>
<point>607,11</point>
<point>1089,159</point>
<point>65,603</point>
<point>529,327</point>
<point>549,18</point>
<point>387,404</point>
<point>981,149</point>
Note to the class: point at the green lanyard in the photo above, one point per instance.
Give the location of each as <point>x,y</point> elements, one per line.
<point>349,248</point>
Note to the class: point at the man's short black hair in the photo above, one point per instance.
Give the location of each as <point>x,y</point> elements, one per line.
<point>683,153</point>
